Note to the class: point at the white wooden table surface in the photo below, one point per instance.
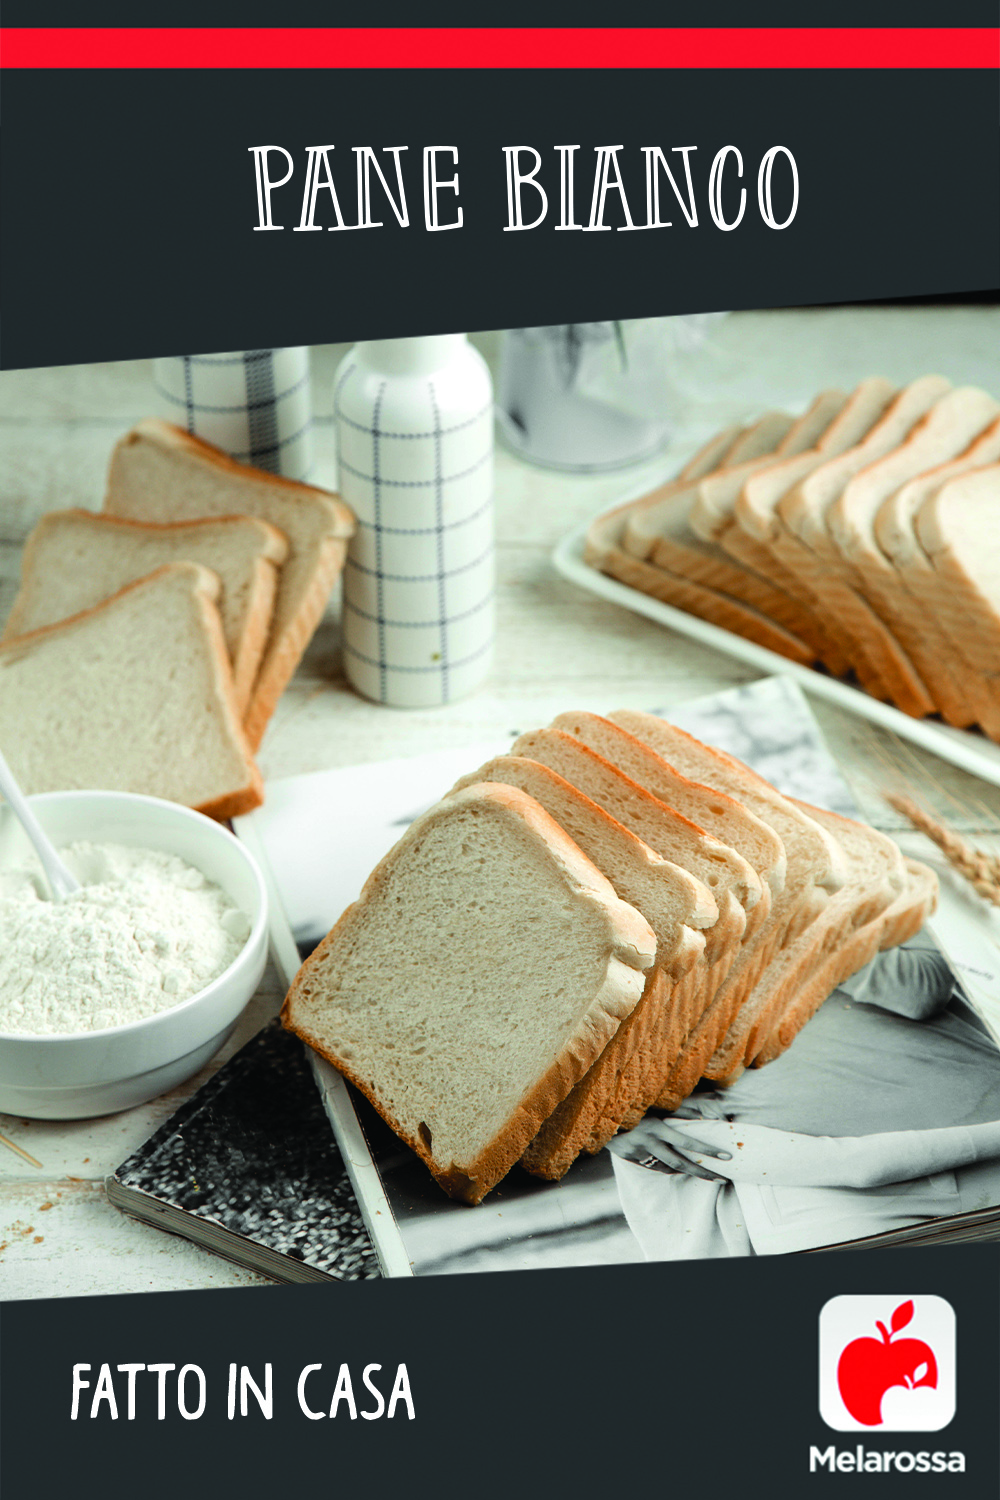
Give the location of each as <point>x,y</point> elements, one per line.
<point>558,648</point>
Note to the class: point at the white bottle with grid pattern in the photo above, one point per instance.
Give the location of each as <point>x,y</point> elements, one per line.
<point>415,457</point>
<point>255,404</point>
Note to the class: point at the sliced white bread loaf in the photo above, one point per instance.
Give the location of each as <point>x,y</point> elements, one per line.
<point>643,516</point>
<point>805,545</point>
<point>716,813</point>
<point>755,508</point>
<point>712,507</point>
<point>679,909</point>
<point>755,521</point>
<point>864,573</point>
<point>729,820</point>
<point>134,695</point>
<point>959,528</point>
<point>811,978</point>
<point>604,550</point>
<point>606,533</point>
<point>816,868</point>
<point>815,863</point>
<point>483,970</point>
<point>712,514</point>
<point>74,559</point>
<point>964,696</point>
<point>159,473</point>
<point>667,509</point>
<point>683,549</point>
<point>877,876</point>
<point>732,880</point>
<point>712,605</point>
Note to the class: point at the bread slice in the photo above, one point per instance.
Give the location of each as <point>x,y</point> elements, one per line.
<point>806,546</point>
<point>74,559</point>
<point>727,819</point>
<point>755,508</point>
<point>604,550</point>
<point>134,695</point>
<point>959,527</point>
<point>732,880</point>
<point>606,532</point>
<point>642,516</point>
<point>754,523</point>
<point>482,971</point>
<point>690,550</point>
<point>815,863</point>
<point>717,608</point>
<point>159,473</point>
<point>963,696</point>
<point>712,507</point>
<point>816,868</point>
<point>667,509</point>
<point>878,876</point>
<point>812,976</point>
<point>719,815</point>
<point>679,909</point>
<point>864,572</point>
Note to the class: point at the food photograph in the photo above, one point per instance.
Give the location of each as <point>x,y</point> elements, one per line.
<point>500,802</point>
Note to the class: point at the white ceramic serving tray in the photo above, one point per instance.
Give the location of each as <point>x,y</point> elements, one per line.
<point>963,747</point>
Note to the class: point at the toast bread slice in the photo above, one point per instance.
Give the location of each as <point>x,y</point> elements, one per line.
<point>878,879</point>
<point>864,572</point>
<point>679,909</point>
<point>958,526</point>
<point>74,559</point>
<point>963,694</point>
<point>133,695</point>
<point>812,978</point>
<point>805,545</point>
<point>160,473</point>
<point>682,550</point>
<point>749,535</point>
<point>732,880</point>
<point>696,599</point>
<point>484,968</point>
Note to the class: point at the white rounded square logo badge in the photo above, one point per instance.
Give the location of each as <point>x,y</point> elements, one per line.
<point>887,1364</point>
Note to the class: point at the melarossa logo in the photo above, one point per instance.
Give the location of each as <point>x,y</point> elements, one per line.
<point>888,1363</point>
<point>868,1461</point>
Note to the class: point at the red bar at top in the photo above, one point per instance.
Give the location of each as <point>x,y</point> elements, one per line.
<point>500,47</point>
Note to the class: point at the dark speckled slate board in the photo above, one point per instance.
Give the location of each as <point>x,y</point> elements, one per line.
<point>249,1169</point>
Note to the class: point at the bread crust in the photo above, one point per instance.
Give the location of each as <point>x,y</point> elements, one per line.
<point>280,663</point>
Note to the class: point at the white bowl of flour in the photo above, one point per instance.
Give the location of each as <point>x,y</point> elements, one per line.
<point>126,989</point>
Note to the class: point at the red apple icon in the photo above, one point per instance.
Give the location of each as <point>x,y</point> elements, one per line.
<point>869,1367</point>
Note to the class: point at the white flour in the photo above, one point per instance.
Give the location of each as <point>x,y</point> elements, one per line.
<point>144,932</point>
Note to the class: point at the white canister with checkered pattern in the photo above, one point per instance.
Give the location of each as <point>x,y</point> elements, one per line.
<point>415,458</point>
<point>255,404</point>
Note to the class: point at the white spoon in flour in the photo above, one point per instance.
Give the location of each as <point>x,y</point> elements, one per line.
<point>61,882</point>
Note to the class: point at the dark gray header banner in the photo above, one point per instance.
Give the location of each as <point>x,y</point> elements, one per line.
<point>155,210</point>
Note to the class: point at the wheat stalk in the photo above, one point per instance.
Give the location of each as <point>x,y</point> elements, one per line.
<point>981,870</point>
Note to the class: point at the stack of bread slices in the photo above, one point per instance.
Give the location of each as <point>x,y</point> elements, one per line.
<point>863,535</point>
<point>581,931</point>
<point>150,642</point>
